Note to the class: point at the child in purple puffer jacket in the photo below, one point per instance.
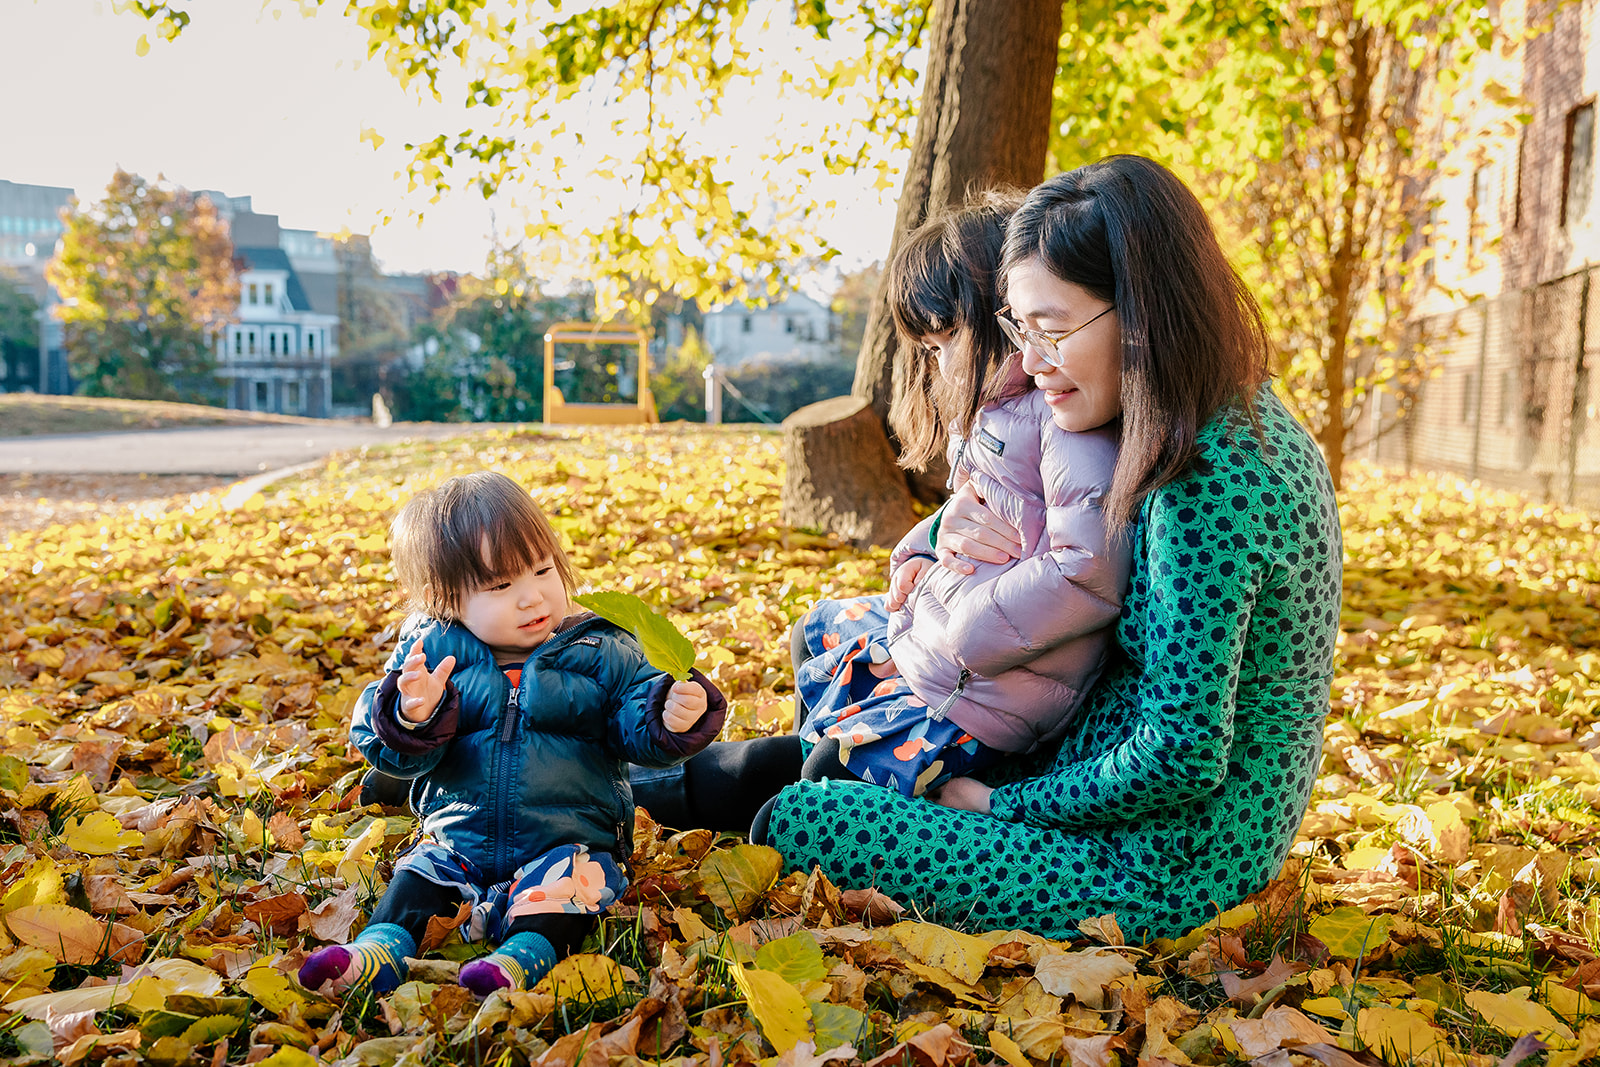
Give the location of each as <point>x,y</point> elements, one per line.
<point>951,670</point>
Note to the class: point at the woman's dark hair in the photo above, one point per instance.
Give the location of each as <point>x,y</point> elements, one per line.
<point>944,277</point>
<point>1130,232</point>
<point>466,534</point>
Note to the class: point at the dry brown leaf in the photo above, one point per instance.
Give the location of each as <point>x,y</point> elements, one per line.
<point>279,914</point>
<point>934,1047</point>
<point>1245,992</point>
<point>803,1054</point>
<point>871,907</point>
<point>106,895</point>
<point>439,927</point>
<point>1102,928</point>
<point>286,832</point>
<point>331,920</point>
<point>1277,1028</point>
<point>1082,975</point>
<point>1098,1051</point>
<point>663,1021</point>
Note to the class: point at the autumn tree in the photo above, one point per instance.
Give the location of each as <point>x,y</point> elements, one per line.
<point>1305,128</point>
<point>146,279</point>
<point>483,352</point>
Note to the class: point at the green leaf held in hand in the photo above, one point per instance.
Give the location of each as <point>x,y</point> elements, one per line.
<point>664,646</point>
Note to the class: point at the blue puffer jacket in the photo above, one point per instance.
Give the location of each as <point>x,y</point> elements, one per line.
<point>502,782</point>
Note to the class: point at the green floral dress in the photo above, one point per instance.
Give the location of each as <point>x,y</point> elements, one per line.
<point>1179,788</point>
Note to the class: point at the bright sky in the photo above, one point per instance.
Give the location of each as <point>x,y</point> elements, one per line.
<point>270,107</point>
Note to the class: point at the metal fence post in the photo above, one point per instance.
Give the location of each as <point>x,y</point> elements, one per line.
<point>713,395</point>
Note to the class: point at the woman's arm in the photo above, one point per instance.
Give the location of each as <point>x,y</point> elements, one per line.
<point>1205,566</point>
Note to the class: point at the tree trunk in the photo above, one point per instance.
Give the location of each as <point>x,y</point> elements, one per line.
<point>833,454</point>
<point>984,119</point>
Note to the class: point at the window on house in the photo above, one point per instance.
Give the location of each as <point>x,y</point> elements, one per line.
<point>788,326</point>
<point>746,324</point>
<point>1432,239</point>
<point>1478,211</point>
<point>262,396</point>
<point>291,396</point>
<point>253,292</point>
<point>266,297</point>
<point>272,344</point>
<point>238,344</point>
<point>311,344</point>
<point>1469,388</point>
<point>1578,180</point>
<point>252,342</point>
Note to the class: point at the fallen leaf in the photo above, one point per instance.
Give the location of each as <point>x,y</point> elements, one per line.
<point>1516,1016</point>
<point>960,955</point>
<point>1082,975</point>
<point>1277,1028</point>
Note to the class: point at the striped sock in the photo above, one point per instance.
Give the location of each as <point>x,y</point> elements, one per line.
<point>521,960</point>
<point>376,957</point>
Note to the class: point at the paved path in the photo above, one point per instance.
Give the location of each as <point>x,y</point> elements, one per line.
<point>231,451</point>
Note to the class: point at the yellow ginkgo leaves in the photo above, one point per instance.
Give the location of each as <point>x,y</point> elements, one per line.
<point>99,834</point>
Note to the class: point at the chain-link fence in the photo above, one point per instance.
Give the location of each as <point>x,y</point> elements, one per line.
<point>1512,403</point>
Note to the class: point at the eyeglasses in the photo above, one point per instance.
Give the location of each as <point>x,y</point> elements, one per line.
<point>1046,344</point>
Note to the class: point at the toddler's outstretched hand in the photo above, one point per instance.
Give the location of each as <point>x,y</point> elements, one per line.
<point>904,579</point>
<point>422,689</point>
<point>686,702</point>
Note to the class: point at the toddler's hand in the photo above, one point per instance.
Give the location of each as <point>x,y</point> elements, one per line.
<point>686,702</point>
<point>904,579</point>
<point>422,689</point>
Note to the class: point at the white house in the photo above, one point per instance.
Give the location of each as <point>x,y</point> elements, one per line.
<point>278,355</point>
<point>799,328</point>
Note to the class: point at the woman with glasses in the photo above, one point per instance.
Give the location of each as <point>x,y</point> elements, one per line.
<point>1180,784</point>
<point>953,671</point>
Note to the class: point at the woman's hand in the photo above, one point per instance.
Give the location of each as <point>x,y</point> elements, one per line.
<point>968,530</point>
<point>967,794</point>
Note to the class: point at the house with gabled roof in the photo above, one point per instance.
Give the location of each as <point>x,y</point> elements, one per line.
<point>278,354</point>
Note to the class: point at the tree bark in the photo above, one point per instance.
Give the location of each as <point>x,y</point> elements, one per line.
<point>833,454</point>
<point>984,119</point>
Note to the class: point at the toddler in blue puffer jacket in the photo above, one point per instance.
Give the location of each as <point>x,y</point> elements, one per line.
<point>514,717</point>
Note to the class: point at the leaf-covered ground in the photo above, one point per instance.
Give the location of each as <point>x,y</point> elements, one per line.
<point>177,826</point>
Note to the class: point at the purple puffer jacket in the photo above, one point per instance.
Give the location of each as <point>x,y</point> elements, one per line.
<point>1009,651</point>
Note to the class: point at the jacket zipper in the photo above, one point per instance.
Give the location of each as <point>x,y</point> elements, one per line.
<point>961,451</point>
<point>624,832</point>
<point>938,713</point>
<point>508,726</point>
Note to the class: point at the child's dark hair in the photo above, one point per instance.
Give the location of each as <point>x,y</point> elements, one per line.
<point>466,534</point>
<point>944,277</point>
<point>1131,233</point>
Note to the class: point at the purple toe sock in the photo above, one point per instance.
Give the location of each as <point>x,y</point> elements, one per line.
<point>323,965</point>
<point>483,977</point>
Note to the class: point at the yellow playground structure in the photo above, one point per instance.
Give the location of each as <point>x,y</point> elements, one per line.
<point>613,375</point>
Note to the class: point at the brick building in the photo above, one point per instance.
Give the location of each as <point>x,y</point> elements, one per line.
<point>1511,327</point>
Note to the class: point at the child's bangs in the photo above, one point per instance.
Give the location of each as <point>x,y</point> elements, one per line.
<point>517,543</point>
<point>922,288</point>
